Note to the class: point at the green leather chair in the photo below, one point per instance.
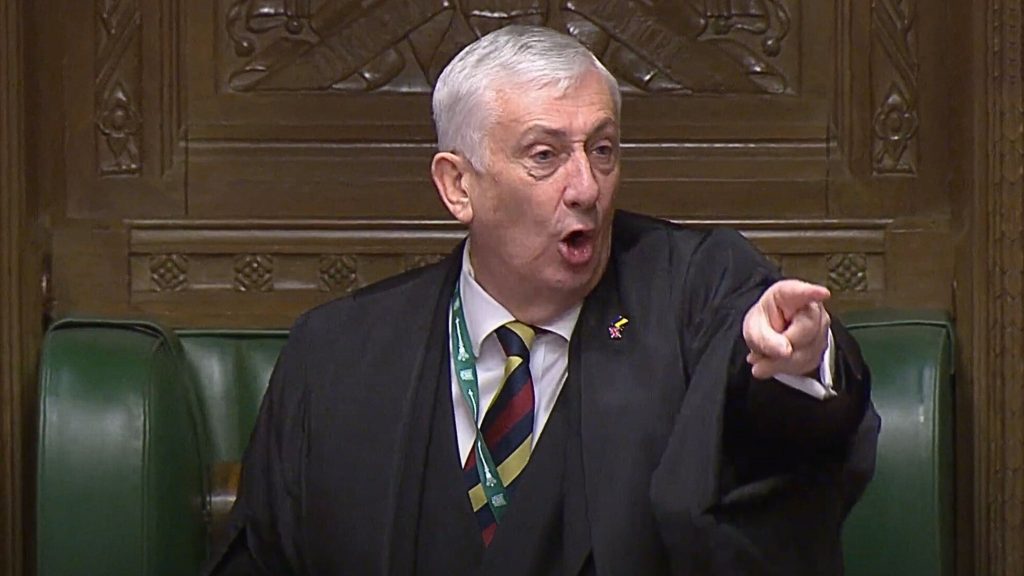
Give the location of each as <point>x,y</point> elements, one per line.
<point>904,523</point>
<point>141,430</point>
<point>122,477</point>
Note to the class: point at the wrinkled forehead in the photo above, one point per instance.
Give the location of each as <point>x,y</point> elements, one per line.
<point>507,93</point>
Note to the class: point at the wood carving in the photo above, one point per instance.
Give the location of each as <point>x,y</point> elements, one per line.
<point>338,273</point>
<point>248,18</point>
<point>847,272</point>
<point>254,273</point>
<point>118,87</point>
<point>686,46</point>
<point>169,271</point>
<point>894,69</point>
<point>187,261</point>
<point>999,328</point>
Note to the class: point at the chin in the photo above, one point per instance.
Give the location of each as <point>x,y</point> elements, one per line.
<point>583,281</point>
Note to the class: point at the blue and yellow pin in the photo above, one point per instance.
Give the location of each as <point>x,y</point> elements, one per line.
<point>615,330</point>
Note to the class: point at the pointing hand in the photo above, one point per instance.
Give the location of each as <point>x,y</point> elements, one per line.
<point>787,329</point>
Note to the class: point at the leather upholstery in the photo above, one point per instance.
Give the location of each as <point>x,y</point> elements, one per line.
<point>904,522</point>
<point>233,369</point>
<point>136,424</point>
<point>121,473</point>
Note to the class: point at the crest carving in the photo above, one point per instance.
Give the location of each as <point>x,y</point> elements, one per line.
<point>675,46</point>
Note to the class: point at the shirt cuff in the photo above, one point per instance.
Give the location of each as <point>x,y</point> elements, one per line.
<point>822,387</point>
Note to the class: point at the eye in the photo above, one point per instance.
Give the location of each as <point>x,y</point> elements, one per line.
<point>543,155</point>
<point>604,152</point>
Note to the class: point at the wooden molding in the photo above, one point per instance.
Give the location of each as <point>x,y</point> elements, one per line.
<point>997,362</point>
<point>13,367</point>
<point>270,270</point>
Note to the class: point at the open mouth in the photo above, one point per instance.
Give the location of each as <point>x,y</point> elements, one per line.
<point>577,247</point>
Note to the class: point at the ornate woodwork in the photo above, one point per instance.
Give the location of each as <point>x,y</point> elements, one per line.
<point>127,139</point>
<point>168,271</point>
<point>118,87</point>
<point>338,273</point>
<point>894,86</point>
<point>300,110</point>
<point>232,163</point>
<point>847,272</point>
<point>290,265</point>
<point>308,104</point>
<point>340,89</point>
<point>997,361</point>
<point>254,272</point>
<point>387,45</point>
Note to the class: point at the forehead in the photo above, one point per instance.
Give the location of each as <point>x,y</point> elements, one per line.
<point>581,106</point>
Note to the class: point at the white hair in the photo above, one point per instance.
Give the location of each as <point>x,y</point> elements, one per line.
<point>530,57</point>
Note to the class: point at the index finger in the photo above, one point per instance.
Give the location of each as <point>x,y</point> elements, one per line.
<point>792,295</point>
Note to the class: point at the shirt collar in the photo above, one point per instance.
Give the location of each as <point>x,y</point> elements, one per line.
<point>484,314</point>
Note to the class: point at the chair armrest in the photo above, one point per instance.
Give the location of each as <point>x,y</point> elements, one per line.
<point>904,523</point>
<point>121,475</point>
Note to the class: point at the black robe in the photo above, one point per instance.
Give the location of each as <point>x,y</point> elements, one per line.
<point>687,465</point>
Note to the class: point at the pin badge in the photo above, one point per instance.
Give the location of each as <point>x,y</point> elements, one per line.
<point>615,330</point>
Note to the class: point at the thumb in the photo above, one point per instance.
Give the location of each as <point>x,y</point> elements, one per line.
<point>761,334</point>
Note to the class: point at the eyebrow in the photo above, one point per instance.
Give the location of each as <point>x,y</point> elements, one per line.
<point>542,130</point>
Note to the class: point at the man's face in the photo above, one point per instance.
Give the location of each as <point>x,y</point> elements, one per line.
<point>542,206</point>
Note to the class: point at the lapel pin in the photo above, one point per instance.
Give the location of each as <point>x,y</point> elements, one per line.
<point>615,330</point>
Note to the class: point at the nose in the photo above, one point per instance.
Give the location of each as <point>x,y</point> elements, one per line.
<point>581,188</point>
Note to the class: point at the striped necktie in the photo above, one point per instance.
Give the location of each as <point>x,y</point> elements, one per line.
<point>508,424</point>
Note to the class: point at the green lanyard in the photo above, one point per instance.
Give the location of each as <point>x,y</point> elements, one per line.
<point>465,373</point>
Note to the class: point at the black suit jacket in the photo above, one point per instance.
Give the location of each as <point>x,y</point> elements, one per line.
<point>690,466</point>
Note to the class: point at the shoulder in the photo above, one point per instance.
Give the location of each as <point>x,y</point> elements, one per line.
<point>646,237</point>
<point>701,270</point>
<point>394,301</point>
<point>630,227</point>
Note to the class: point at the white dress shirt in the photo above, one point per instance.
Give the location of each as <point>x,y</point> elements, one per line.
<point>549,360</point>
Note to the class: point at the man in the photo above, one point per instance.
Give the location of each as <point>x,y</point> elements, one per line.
<point>573,391</point>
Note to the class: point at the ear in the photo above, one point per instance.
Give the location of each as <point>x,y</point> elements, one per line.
<point>452,176</point>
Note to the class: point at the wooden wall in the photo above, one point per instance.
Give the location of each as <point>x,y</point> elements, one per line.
<point>987,182</point>
<point>11,177</point>
<point>233,162</point>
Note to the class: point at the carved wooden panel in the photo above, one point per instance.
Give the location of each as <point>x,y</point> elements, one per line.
<point>193,260</point>
<point>266,273</point>
<point>121,103</point>
<point>891,150</point>
<point>324,93</point>
<point>391,180</point>
<point>309,109</point>
<point>688,46</point>
<point>894,86</point>
<point>119,87</point>
<point>997,280</point>
<point>299,111</point>
<point>303,110</point>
